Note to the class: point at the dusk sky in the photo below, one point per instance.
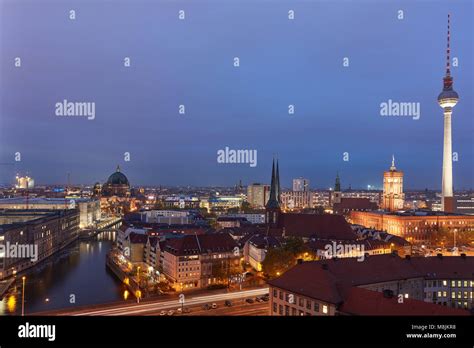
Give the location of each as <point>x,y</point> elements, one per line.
<point>190,62</point>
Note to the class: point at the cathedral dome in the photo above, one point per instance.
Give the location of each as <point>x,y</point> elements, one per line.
<point>117,185</point>
<point>118,178</point>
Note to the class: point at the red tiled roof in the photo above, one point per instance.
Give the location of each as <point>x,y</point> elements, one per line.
<point>307,280</point>
<point>359,301</point>
<point>449,267</point>
<point>200,244</point>
<point>325,226</point>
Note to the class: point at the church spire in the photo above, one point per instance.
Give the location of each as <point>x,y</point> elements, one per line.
<point>337,186</point>
<point>273,200</point>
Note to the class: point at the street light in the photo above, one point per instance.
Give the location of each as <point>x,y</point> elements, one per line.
<point>23,297</point>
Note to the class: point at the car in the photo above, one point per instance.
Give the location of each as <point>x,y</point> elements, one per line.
<point>163,313</point>
<point>214,305</point>
<point>249,300</point>
<point>228,303</point>
<point>171,312</point>
<point>182,310</point>
<point>206,307</point>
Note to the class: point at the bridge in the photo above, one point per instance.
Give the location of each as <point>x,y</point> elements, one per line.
<point>109,225</point>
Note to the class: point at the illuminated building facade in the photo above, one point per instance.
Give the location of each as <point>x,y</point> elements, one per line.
<point>393,196</point>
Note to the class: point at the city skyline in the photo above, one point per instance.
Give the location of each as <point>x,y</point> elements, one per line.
<point>222,108</point>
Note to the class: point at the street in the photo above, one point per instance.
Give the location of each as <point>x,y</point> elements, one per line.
<point>195,304</point>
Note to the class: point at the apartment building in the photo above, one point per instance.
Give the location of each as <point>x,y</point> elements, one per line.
<point>381,282</point>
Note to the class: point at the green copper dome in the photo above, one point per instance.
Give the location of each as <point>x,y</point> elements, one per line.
<point>118,178</point>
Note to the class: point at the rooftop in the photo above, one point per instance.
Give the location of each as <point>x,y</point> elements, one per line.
<point>330,278</point>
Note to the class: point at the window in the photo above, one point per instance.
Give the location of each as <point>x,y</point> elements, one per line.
<point>280,309</point>
<point>275,293</point>
<point>316,306</point>
<point>453,283</point>
<point>325,309</point>
<point>308,304</point>
<point>301,302</point>
<point>445,283</point>
<point>281,295</point>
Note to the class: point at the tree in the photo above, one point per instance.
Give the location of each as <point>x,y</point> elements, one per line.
<point>277,261</point>
<point>294,245</point>
<point>246,207</point>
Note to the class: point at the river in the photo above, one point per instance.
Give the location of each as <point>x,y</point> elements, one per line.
<point>76,276</point>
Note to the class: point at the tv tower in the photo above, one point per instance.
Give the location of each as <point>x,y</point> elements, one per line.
<point>447,99</point>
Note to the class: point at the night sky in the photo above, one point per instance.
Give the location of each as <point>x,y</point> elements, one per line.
<point>190,62</point>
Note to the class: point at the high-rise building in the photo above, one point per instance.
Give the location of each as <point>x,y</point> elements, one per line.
<point>24,182</point>
<point>258,194</point>
<point>393,196</point>
<point>447,99</point>
<point>296,199</point>
<point>301,185</point>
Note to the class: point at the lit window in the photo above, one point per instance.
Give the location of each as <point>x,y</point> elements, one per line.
<point>325,309</point>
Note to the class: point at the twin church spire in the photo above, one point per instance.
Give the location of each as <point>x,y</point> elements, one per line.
<point>275,190</point>
<point>273,205</point>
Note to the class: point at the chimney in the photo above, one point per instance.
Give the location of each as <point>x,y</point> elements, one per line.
<point>388,293</point>
<point>440,256</point>
<point>407,257</point>
<point>463,255</point>
<point>299,261</point>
